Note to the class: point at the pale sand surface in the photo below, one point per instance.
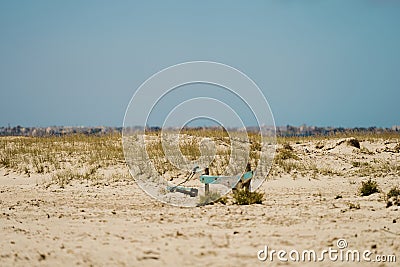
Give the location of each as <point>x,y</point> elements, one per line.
<point>114,223</point>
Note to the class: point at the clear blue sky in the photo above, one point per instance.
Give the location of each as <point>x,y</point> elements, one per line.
<point>325,63</point>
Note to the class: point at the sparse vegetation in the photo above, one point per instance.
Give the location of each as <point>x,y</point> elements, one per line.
<point>289,166</point>
<point>359,164</point>
<point>30,155</point>
<point>365,150</point>
<point>378,168</point>
<point>64,177</point>
<point>368,187</point>
<point>210,198</point>
<point>57,155</point>
<point>190,147</point>
<point>353,205</point>
<point>328,171</point>
<point>48,154</point>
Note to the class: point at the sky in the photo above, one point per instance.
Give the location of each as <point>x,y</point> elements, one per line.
<point>323,63</point>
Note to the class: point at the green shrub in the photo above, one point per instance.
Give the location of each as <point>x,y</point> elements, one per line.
<point>368,187</point>
<point>244,197</point>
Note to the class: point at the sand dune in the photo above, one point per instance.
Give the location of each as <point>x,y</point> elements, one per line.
<point>114,223</point>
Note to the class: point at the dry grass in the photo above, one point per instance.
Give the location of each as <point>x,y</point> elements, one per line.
<point>189,145</point>
<point>292,157</point>
<point>61,156</point>
<point>81,153</point>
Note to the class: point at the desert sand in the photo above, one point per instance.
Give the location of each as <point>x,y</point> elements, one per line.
<point>114,223</point>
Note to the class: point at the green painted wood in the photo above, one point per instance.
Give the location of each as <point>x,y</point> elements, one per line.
<point>247,175</point>
<point>208,179</point>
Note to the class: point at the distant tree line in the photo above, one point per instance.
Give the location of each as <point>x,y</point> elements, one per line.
<point>287,130</point>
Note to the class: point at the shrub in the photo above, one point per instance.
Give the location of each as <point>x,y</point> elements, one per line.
<point>393,197</point>
<point>397,148</point>
<point>393,192</point>
<point>353,142</point>
<point>319,145</point>
<point>356,164</point>
<point>287,146</point>
<point>368,187</point>
<point>244,197</point>
<point>223,200</point>
<point>286,154</point>
<point>5,161</point>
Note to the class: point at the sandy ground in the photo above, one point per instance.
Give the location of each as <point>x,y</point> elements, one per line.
<point>117,224</point>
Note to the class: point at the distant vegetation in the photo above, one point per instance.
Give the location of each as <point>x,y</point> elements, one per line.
<point>282,131</point>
